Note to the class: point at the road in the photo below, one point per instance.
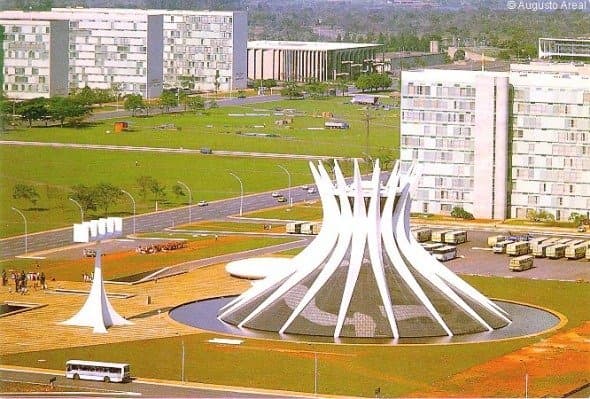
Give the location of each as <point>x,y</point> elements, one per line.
<point>136,388</point>
<point>151,222</point>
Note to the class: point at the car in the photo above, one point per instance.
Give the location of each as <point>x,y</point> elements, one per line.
<point>581,229</point>
<point>202,203</point>
<point>311,190</point>
<point>281,199</point>
<point>275,194</point>
<point>305,187</point>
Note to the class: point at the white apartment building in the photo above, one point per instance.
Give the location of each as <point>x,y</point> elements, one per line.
<point>455,123</point>
<point>116,49</point>
<point>205,50</point>
<point>35,58</point>
<point>551,144</point>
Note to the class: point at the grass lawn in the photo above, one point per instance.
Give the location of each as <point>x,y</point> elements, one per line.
<point>216,129</point>
<point>303,212</point>
<point>54,170</point>
<point>122,264</point>
<point>344,370</point>
<point>229,226</point>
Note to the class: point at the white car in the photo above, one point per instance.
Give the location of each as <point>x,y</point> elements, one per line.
<point>305,187</point>
<point>203,203</point>
<point>311,190</point>
<point>275,194</point>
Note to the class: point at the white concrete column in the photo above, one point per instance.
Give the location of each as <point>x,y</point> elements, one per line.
<point>501,149</point>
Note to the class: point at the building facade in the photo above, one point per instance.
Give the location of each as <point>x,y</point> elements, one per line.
<point>499,144</point>
<point>35,57</point>
<point>455,123</point>
<point>565,48</point>
<point>205,50</point>
<point>302,61</point>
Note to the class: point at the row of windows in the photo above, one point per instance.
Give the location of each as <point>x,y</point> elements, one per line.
<point>438,116</point>
<point>439,90</point>
<point>549,109</point>
<point>29,29</point>
<point>552,136</point>
<point>419,102</point>
<point>29,88</point>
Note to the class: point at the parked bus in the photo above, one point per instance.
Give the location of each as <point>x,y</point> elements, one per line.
<point>536,241</point>
<point>97,371</point>
<point>521,263</point>
<point>439,235</point>
<point>444,253</point>
<point>456,237</point>
<point>293,227</point>
<point>540,250</point>
<point>493,240</point>
<point>564,241</point>
<point>577,251</point>
<point>518,248</point>
<point>500,247</point>
<point>429,247</point>
<point>312,228</point>
<point>422,234</point>
<point>556,251</point>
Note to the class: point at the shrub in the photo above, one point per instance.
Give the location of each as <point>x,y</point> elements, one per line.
<point>461,213</point>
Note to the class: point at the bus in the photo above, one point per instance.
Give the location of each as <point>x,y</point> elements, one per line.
<point>500,247</point>
<point>456,237</point>
<point>577,251</point>
<point>444,253</point>
<point>422,234</point>
<point>521,263</point>
<point>429,247</point>
<point>439,235</point>
<point>540,250</point>
<point>518,248</point>
<point>556,251</point>
<point>536,241</point>
<point>493,240</point>
<point>97,371</point>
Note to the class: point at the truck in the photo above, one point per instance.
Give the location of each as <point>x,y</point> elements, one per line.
<point>492,240</point>
<point>521,263</point>
<point>518,248</point>
<point>455,237</point>
<point>422,234</point>
<point>500,247</point>
<point>293,227</point>
<point>556,251</point>
<point>577,251</point>
<point>439,235</point>
<point>311,228</point>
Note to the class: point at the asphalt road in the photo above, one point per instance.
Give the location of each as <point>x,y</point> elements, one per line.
<point>150,222</point>
<point>135,388</point>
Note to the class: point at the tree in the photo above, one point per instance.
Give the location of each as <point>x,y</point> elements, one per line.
<point>134,103</point>
<point>217,83</point>
<point>106,195</point>
<point>33,110</point>
<point>66,108</point>
<point>25,191</point>
<point>85,196</point>
<point>85,96</point>
<point>158,190</point>
<point>178,191</point>
<point>578,219</point>
<point>459,55</point>
<point>145,183</point>
<point>195,103</point>
<point>167,100</point>
<point>291,90</point>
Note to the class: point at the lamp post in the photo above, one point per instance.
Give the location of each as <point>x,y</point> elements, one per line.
<point>190,200</point>
<point>133,202</point>
<point>182,364</point>
<point>241,191</point>
<point>26,230</point>
<point>289,177</point>
<point>526,380</point>
<point>79,206</point>
<point>315,373</point>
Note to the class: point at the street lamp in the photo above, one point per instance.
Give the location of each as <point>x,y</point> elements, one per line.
<point>526,380</point>
<point>289,176</point>
<point>79,206</point>
<point>133,202</point>
<point>26,230</point>
<point>241,192</point>
<point>190,200</point>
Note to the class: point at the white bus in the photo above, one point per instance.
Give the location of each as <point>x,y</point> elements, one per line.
<point>447,252</point>
<point>577,251</point>
<point>431,246</point>
<point>500,246</point>
<point>492,240</point>
<point>518,248</point>
<point>97,371</point>
<point>540,250</point>
<point>439,235</point>
<point>521,263</point>
<point>422,234</point>
<point>456,237</point>
<point>536,241</point>
<point>556,251</point>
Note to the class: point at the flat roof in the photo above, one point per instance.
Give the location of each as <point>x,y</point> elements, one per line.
<point>567,39</point>
<point>315,46</point>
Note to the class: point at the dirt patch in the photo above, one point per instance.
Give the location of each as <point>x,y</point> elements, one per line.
<point>555,366</point>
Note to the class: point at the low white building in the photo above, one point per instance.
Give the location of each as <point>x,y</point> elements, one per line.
<point>575,48</point>
<point>35,57</point>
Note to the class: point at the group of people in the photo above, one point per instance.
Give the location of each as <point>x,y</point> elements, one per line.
<point>87,278</point>
<point>21,280</point>
<point>153,248</point>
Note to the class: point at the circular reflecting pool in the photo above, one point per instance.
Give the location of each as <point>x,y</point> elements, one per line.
<point>526,320</point>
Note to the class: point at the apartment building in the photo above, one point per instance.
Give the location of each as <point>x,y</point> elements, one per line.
<point>456,123</point>
<point>550,159</point>
<point>205,50</point>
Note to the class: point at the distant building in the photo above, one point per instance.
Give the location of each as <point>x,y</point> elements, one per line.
<point>301,61</point>
<point>565,48</point>
<point>34,57</point>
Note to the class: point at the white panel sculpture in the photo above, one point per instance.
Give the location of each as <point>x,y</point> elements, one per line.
<point>364,275</point>
<point>97,312</point>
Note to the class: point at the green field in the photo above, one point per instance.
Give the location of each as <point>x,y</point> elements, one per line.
<point>52,171</point>
<point>342,369</point>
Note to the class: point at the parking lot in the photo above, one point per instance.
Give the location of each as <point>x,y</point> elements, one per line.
<point>474,257</point>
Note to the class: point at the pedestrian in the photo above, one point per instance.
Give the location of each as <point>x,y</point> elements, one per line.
<point>42,280</point>
<point>4,278</point>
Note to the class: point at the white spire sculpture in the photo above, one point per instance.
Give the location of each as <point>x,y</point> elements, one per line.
<point>97,312</point>
<point>365,275</point>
